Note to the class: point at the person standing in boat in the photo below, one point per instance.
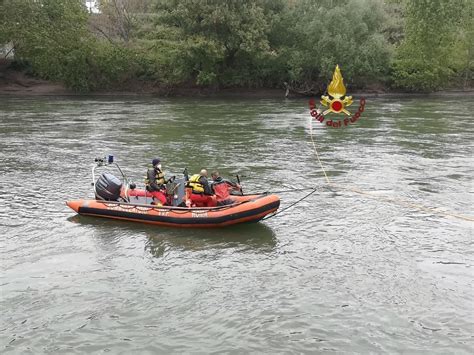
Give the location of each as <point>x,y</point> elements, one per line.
<point>222,188</point>
<point>201,195</point>
<point>155,181</point>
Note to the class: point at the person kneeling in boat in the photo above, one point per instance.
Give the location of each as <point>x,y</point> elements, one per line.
<point>155,182</point>
<point>222,188</point>
<point>201,195</point>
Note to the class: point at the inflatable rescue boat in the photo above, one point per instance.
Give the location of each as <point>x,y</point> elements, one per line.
<point>120,199</point>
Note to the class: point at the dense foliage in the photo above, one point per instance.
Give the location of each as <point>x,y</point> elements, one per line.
<point>438,44</point>
<point>413,45</point>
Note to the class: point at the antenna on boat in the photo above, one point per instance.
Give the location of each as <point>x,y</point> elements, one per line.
<point>238,182</point>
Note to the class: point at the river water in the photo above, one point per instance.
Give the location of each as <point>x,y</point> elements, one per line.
<point>339,272</point>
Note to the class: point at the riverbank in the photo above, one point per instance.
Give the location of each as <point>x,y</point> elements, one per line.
<point>17,83</point>
<point>14,83</point>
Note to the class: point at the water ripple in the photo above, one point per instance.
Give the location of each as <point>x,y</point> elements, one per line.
<point>337,273</point>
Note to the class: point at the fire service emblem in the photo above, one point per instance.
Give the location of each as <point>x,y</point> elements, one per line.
<point>336,102</point>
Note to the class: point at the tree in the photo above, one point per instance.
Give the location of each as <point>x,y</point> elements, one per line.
<point>221,39</point>
<point>463,47</point>
<point>424,60</point>
<point>51,35</point>
<point>325,33</point>
<point>118,19</point>
<point>417,45</point>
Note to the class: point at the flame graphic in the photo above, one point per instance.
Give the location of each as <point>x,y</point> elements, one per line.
<point>336,88</point>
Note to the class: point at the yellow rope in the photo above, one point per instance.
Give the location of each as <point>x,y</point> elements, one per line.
<point>386,198</point>
<point>316,151</point>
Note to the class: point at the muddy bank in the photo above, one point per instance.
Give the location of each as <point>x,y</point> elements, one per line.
<point>17,83</point>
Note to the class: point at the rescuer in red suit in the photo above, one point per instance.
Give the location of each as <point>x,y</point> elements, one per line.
<point>201,195</point>
<point>222,188</point>
<point>155,182</point>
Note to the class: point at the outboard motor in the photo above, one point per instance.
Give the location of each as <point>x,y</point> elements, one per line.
<point>108,187</point>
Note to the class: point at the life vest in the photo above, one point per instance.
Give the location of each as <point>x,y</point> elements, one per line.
<point>160,178</point>
<point>221,189</point>
<point>194,183</point>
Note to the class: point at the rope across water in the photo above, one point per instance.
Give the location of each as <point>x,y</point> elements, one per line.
<point>394,200</point>
<point>385,198</point>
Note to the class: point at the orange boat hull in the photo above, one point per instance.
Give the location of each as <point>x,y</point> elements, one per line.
<point>251,208</point>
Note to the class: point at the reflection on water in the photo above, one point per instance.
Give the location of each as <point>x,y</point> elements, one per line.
<point>256,237</point>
